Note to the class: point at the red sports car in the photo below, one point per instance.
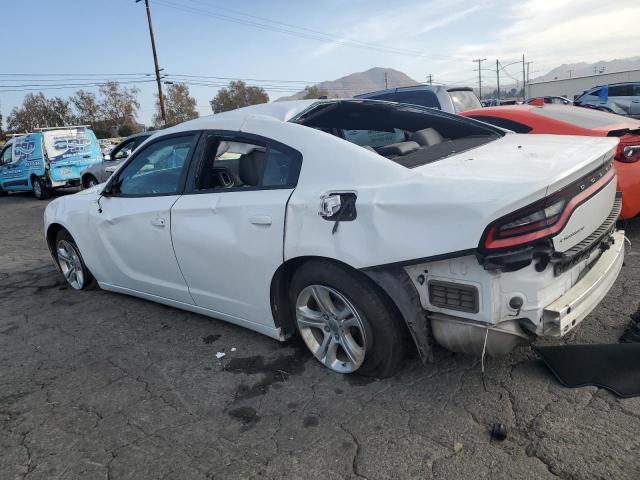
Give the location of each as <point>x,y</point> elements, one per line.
<point>568,120</point>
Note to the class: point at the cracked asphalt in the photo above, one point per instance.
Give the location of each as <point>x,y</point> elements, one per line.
<point>100,385</point>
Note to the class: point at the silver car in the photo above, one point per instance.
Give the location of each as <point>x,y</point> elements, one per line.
<point>100,172</point>
<point>447,99</point>
<point>620,98</point>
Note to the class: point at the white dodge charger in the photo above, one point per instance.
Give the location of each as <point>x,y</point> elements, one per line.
<point>358,225</point>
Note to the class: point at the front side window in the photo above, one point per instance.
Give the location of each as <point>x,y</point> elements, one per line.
<point>232,163</point>
<point>156,170</point>
<point>123,150</point>
<point>6,155</point>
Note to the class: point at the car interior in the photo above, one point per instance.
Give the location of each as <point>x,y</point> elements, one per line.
<point>231,164</point>
<point>415,135</point>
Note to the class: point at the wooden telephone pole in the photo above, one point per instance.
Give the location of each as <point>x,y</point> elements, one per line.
<point>155,62</point>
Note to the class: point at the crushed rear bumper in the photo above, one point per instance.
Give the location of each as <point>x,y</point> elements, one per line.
<point>573,306</point>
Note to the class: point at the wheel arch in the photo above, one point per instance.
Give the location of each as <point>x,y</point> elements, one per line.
<point>52,232</point>
<point>283,314</point>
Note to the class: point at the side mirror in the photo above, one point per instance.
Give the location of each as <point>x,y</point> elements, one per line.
<point>107,157</point>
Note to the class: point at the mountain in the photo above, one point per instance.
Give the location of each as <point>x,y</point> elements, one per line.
<point>583,69</point>
<point>361,82</point>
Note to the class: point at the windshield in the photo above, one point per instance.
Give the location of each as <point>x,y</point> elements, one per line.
<point>583,117</point>
<point>464,100</point>
<point>406,134</point>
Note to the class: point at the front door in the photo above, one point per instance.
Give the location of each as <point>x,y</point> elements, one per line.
<point>133,221</point>
<point>228,228</point>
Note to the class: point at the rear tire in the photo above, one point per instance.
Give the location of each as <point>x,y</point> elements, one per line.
<point>3,193</point>
<point>346,321</point>
<point>71,263</point>
<point>40,189</point>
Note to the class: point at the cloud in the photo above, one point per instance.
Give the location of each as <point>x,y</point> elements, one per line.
<point>402,27</point>
<point>551,32</point>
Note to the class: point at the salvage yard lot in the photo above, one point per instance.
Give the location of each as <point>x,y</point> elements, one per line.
<point>100,385</point>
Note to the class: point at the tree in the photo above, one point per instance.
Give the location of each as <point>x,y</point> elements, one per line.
<point>39,111</point>
<point>237,95</point>
<point>314,92</point>
<point>119,105</point>
<point>86,106</point>
<point>179,106</point>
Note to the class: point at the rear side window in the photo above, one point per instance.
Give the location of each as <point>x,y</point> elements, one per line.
<point>424,98</point>
<point>504,123</point>
<point>621,91</point>
<point>236,164</point>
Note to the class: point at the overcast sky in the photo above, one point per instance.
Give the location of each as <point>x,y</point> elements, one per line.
<point>109,38</point>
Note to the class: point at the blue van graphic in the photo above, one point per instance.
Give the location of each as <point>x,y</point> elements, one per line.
<point>47,159</point>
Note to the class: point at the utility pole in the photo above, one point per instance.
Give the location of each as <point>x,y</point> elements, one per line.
<point>155,61</point>
<point>386,81</point>
<point>570,72</point>
<point>479,62</point>
<point>498,76</point>
<point>430,80</point>
<point>524,81</point>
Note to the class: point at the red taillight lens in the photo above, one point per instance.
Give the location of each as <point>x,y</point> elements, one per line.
<point>546,217</point>
<point>628,153</point>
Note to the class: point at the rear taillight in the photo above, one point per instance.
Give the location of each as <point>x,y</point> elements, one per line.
<point>545,217</point>
<point>628,153</point>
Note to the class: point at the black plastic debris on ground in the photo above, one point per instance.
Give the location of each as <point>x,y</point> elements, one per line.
<point>632,332</point>
<point>615,367</point>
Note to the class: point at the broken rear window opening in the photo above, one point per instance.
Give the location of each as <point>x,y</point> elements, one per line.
<point>406,134</point>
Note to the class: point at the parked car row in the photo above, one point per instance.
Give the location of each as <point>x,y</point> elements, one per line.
<point>361,226</point>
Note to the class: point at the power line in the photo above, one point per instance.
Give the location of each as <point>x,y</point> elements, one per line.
<point>65,86</point>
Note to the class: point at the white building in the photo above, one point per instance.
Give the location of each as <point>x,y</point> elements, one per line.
<point>569,87</point>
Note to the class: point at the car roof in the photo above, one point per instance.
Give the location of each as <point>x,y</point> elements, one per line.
<point>275,111</point>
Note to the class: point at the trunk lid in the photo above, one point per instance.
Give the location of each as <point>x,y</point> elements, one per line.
<point>517,170</point>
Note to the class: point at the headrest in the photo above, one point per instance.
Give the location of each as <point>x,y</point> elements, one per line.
<point>427,137</point>
<point>251,168</point>
<point>397,149</point>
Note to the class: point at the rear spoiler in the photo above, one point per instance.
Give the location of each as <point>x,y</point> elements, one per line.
<point>623,131</point>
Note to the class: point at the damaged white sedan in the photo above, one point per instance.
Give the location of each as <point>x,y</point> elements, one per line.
<point>359,225</point>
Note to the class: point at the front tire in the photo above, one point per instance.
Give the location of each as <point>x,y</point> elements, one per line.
<point>89,181</point>
<point>71,263</point>
<point>346,321</point>
<point>40,189</point>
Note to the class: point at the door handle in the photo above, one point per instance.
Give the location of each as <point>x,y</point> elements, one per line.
<point>260,219</point>
<point>159,222</point>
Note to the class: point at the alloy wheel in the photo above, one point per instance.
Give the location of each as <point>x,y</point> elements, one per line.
<point>70,264</point>
<point>37,189</point>
<point>331,327</point>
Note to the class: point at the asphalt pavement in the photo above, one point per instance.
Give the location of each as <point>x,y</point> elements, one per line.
<point>96,385</point>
